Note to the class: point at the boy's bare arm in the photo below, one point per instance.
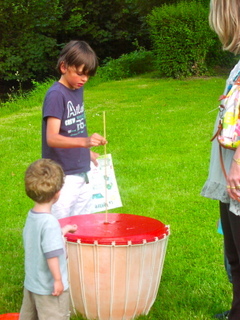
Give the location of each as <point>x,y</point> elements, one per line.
<point>53,264</point>
<point>56,140</point>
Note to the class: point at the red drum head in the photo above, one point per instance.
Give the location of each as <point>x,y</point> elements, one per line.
<point>9,316</point>
<point>119,228</point>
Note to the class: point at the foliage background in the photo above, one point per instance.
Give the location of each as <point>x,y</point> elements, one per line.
<point>182,40</point>
<point>34,31</point>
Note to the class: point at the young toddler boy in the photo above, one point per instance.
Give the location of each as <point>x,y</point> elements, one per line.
<point>64,129</point>
<point>46,295</point>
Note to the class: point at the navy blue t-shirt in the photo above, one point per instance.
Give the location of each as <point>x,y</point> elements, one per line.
<point>67,105</point>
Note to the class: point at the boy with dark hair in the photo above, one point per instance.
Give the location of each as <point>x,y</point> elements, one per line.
<point>64,129</point>
<point>46,293</point>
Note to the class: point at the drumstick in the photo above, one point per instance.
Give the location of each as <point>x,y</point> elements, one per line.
<point>105,157</point>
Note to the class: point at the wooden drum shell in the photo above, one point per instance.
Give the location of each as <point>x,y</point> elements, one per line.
<point>114,282</point>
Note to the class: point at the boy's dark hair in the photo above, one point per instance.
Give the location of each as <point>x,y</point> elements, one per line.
<point>77,53</point>
<point>43,179</point>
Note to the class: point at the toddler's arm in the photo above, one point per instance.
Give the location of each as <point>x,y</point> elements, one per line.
<point>69,228</point>
<point>53,264</point>
<point>56,140</point>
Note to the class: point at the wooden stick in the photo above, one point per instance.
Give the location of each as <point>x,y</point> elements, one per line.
<point>105,157</point>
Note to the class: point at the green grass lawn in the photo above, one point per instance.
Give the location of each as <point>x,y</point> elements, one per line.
<point>159,134</point>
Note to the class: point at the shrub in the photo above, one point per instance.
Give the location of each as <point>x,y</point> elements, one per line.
<point>128,65</point>
<point>217,57</point>
<point>31,58</point>
<point>181,38</point>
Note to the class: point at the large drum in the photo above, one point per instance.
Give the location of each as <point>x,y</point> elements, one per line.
<point>115,266</point>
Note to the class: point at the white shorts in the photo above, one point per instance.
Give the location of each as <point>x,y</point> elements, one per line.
<point>75,197</point>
